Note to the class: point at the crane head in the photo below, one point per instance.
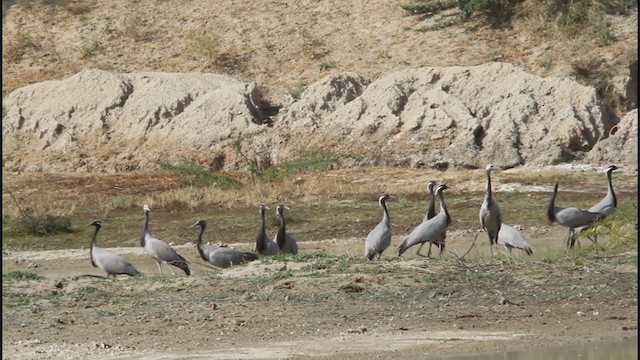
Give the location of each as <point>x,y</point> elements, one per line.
<point>96,223</point>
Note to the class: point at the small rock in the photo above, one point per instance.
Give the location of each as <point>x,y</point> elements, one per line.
<point>360,330</point>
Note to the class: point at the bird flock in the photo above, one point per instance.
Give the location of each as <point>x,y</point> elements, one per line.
<point>432,230</point>
<point>219,256</point>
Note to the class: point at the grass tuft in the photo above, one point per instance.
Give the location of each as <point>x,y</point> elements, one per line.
<point>42,225</point>
<point>192,174</point>
<point>12,299</point>
<point>297,90</point>
<point>308,161</point>
<point>21,276</point>
<point>429,7</point>
<point>204,44</point>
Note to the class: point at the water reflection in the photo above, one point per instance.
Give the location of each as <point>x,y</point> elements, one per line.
<point>614,350</point>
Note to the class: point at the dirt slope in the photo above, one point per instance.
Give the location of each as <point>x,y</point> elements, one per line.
<point>284,45</point>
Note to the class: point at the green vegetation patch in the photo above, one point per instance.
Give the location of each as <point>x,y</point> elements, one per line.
<point>619,229</point>
<point>13,299</point>
<point>40,225</point>
<point>196,175</point>
<point>313,160</point>
<point>21,276</point>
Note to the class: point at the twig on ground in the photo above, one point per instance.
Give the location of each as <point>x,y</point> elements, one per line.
<point>205,265</point>
<point>459,259</point>
<point>420,269</point>
<point>472,245</point>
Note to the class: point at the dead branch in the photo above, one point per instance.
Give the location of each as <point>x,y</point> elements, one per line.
<point>26,215</point>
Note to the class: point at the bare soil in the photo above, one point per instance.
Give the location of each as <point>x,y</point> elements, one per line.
<point>326,302</point>
<point>286,46</point>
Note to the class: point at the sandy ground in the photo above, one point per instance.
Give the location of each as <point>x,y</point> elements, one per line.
<point>271,309</point>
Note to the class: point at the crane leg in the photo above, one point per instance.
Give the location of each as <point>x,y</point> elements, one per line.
<point>567,240</point>
<point>159,267</point>
<point>572,238</point>
<point>420,248</point>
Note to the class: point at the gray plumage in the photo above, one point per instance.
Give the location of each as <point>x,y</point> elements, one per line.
<point>569,217</point>
<point>431,212</point>
<point>108,262</point>
<point>379,239</point>
<point>286,243</point>
<point>160,251</point>
<point>511,238</point>
<point>607,204</point>
<point>221,256</point>
<point>610,201</point>
<point>264,245</point>
<point>490,217</point>
<point>433,230</point>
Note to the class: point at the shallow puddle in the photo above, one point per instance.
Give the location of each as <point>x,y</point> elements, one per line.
<point>595,350</point>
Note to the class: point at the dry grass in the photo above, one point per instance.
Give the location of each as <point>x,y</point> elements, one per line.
<point>344,201</point>
<point>279,47</point>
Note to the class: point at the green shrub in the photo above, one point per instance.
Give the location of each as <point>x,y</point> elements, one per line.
<point>499,8</point>
<point>42,225</point>
<point>618,228</point>
<point>604,35</point>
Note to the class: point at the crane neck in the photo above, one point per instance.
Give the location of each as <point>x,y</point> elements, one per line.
<point>262,234</point>
<point>95,235</point>
<point>282,233</point>
<point>431,211</point>
<point>145,229</point>
<point>385,212</point>
<point>199,243</point>
<point>552,205</point>
<point>610,191</point>
<point>443,206</point>
<point>488,193</point>
<point>202,227</point>
<point>93,243</point>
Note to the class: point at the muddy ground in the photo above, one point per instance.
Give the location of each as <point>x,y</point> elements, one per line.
<point>327,306</point>
<point>327,302</point>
